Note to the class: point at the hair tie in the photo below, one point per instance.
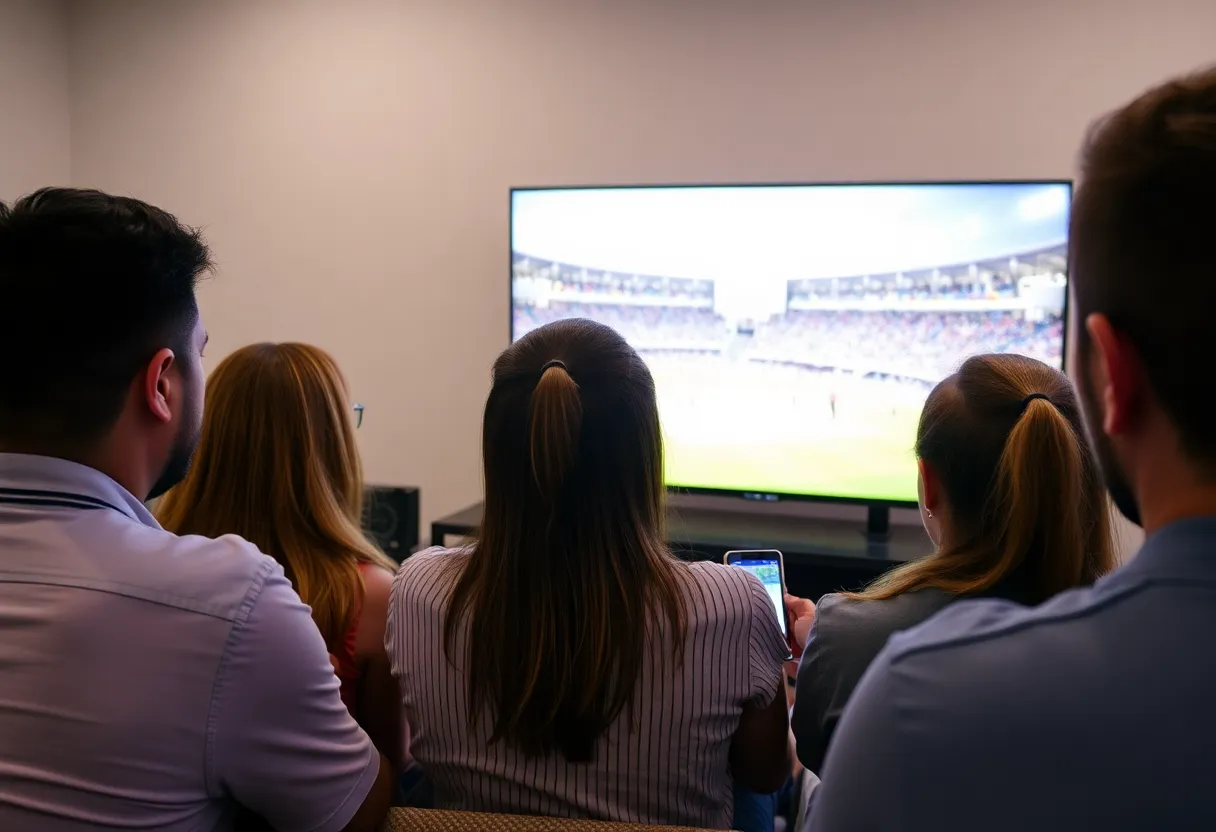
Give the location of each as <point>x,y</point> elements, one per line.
<point>1026,401</point>
<point>556,362</point>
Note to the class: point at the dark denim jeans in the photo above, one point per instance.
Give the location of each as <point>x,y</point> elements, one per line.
<point>754,812</point>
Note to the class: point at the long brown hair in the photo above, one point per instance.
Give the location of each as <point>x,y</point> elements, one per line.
<point>278,465</point>
<point>570,577</point>
<point>1025,495</point>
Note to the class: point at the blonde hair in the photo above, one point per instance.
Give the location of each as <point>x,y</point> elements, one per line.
<point>277,464</point>
<point>1025,494</point>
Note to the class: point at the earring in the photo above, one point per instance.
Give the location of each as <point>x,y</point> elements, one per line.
<point>929,513</point>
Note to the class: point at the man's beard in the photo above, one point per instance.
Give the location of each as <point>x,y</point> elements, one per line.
<point>180,459</point>
<point>1116,481</point>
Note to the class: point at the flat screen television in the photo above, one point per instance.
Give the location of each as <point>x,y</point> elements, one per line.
<point>794,331</point>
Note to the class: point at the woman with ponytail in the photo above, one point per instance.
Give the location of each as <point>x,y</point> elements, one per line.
<point>565,663</point>
<point>1013,500</point>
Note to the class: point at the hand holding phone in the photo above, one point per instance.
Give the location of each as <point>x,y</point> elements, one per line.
<point>768,566</point>
<point>802,616</point>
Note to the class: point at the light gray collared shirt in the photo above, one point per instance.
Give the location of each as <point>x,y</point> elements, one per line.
<point>153,681</point>
<point>1095,710</point>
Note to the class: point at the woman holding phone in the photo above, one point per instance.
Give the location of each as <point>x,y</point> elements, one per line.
<point>565,663</point>
<point>1012,498</point>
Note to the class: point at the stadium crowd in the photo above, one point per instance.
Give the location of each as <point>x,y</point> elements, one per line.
<point>648,327</point>
<point>898,287</point>
<point>575,280</point>
<point>978,281</point>
<point>568,280</point>
<point>244,658</point>
<point>922,345</point>
<point>927,345</point>
<point>986,280</point>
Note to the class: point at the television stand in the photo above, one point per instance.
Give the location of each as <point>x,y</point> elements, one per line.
<point>821,555</point>
<point>878,524</point>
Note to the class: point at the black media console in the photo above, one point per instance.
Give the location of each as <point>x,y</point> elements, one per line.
<point>820,555</point>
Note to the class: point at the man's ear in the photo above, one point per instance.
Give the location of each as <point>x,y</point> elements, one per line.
<point>158,386</point>
<point>1116,375</point>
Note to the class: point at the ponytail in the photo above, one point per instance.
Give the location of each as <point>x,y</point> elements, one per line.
<point>556,417</point>
<point>1035,505</point>
<point>1026,502</point>
<point>569,583</point>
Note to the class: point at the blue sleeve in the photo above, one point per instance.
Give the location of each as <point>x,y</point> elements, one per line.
<point>865,776</point>
<point>283,744</point>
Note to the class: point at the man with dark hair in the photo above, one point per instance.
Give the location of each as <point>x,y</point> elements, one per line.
<point>94,287</point>
<point>146,680</point>
<point>1093,711</point>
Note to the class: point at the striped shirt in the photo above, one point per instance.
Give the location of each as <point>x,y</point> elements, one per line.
<point>663,761</point>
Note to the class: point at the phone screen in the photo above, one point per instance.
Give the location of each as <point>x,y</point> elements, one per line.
<point>768,569</point>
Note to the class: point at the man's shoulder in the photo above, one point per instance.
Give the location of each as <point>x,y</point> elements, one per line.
<point>228,557</point>
<point>219,577</point>
<point>950,675</point>
<point>1005,630</point>
<point>1176,558</point>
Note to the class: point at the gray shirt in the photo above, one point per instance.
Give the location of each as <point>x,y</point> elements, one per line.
<point>150,681</point>
<point>665,760</point>
<point>1095,710</point>
<point>846,636</point>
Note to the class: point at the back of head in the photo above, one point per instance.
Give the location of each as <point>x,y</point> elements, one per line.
<point>1142,254</point>
<point>1005,438</point>
<point>562,587</point>
<point>91,287</point>
<point>278,465</point>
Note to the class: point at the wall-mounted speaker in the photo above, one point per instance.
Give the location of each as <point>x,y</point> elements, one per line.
<point>390,519</point>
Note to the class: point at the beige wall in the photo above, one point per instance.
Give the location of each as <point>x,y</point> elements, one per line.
<point>350,161</point>
<point>34,106</point>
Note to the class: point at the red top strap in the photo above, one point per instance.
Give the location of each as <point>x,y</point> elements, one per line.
<point>348,668</point>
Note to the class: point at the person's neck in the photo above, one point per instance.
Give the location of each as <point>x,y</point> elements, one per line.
<point>120,467</point>
<point>1156,515</point>
<point>1166,494</point>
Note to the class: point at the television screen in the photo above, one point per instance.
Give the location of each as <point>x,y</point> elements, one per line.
<point>794,331</point>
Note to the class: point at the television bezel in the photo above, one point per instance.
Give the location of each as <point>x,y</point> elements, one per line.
<point>780,496</point>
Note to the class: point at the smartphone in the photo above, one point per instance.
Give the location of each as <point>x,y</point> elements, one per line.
<point>768,566</point>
